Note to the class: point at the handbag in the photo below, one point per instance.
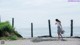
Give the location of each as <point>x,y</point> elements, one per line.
<point>62,32</point>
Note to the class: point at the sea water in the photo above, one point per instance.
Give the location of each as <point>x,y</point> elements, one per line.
<point>26,32</point>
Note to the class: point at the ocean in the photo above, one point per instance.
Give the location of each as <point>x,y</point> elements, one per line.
<point>26,32</point>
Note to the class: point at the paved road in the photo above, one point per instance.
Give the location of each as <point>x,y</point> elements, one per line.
<point>44,41</point>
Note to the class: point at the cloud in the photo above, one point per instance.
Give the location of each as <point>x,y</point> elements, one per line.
<point>39,11</point>
<point>19,4</point>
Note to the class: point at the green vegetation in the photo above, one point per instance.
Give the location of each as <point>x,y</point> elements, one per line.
<point>8,32</point>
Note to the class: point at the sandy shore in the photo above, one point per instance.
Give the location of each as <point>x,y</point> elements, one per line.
<point>44,41</point>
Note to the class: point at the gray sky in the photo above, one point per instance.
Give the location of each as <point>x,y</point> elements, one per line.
<point>39,11</point>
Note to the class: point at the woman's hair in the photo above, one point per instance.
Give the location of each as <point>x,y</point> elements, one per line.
<point>57,20</point>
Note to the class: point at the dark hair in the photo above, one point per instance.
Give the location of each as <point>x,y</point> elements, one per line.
<point>57,20</point>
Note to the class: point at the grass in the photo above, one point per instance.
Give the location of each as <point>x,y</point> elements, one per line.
<point>9,38</point>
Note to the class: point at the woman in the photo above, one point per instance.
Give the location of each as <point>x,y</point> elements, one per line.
<point>59,28</point>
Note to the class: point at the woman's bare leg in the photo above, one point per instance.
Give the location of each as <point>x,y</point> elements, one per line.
<point>58,36</point>
<point>61,36</point>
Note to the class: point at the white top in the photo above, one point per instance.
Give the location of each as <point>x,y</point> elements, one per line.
<point>59,24</point>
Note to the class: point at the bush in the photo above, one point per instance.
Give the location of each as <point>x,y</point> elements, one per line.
<point>6,30</point>
<point>6,26</point>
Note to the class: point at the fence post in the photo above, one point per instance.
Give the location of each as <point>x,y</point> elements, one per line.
<point>12,22</point>
<point>31,29</point>
<point>49,28</point>
<point>71,27</point>
<point>0,18</point>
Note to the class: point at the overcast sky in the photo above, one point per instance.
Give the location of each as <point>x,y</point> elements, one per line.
<point>39,11</point>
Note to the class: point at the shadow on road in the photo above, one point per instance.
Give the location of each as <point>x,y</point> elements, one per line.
<point>45,39</point>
